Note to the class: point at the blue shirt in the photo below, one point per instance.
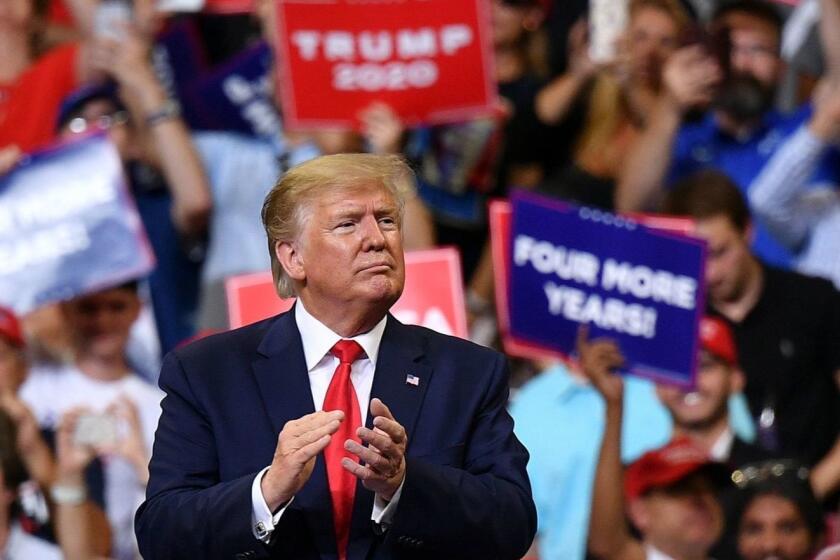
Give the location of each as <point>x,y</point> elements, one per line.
<point>242,170</point>
<point>702,145</point>
<point>561,422</point>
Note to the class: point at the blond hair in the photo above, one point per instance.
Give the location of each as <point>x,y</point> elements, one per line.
<point>289,202</point>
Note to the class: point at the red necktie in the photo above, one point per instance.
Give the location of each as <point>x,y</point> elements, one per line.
<point>342,396</point>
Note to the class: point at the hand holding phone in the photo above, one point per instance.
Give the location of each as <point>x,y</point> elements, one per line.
<point>95,430</point>
<point>111,18</point>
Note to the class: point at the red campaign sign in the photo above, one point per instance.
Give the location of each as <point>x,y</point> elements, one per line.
<point>228,7</point>
<point>433,296</point>
<point>500,222</point>
<point>430,60</point>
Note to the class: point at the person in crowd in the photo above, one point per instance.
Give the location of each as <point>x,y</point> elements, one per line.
<point>777,515</point>
<point>616,97</point>
<point>79,526</point>
<point>15,543</point>
<point>434,470</point>
<point>563,458</point>
<point>653,415</point>
<point>671,493</point>
<point>123,408</point>
<point>803,215</point>
<point>741,130</point>
<point>702,413</point>
<point>164,171</point>
<point>33,79</point>
<point>785,326</point>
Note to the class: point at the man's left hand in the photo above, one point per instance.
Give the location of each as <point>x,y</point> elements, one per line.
<point>384,457</point>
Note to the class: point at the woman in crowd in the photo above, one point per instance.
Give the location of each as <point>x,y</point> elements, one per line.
<point>616,98</point>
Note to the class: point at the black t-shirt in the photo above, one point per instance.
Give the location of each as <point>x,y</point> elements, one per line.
<point>789,349</point>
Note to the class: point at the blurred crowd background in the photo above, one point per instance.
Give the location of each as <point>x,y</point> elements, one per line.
<point>724,112</point>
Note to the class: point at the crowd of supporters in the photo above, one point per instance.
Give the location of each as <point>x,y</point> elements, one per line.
<point>726,112</point>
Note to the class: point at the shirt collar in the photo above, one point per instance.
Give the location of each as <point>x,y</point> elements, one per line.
<point>722,448</point>
<point>653,553</point>
<point>317,338</point>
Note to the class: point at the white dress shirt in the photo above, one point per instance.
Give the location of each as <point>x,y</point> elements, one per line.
<point>317,341</point>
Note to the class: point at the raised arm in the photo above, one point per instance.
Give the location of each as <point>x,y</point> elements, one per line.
<point>609,535</point>
<point>688,78</point>
<point>829,38</point>
<point>777,195</point>
<point>167,141</point>
<point>556,99</point>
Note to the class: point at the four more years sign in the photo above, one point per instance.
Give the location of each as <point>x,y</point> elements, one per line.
<point>428,59</point>
<point>641,286</point>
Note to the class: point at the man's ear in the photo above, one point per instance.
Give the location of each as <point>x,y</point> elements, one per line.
<point>289,257</point>
<point>637,511</point>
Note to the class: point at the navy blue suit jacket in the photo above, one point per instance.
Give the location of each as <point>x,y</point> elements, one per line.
<point>466,492</point>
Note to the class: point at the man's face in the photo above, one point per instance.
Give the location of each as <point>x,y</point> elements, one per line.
<point>349,251</point>
<point>754,48</point>
<point>685,516</point>
<point>773,527</point>
<point>755,67</point>
<point>100,323</point>
<point>727,259</point>
<point>707,404</point>
<point>12,366</point>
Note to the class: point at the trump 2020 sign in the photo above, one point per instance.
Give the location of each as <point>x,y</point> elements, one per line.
<point>430,60</point>
<point>643,287</point>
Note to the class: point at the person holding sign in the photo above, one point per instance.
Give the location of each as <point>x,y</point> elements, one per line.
<point>394,441</point>
<point>671,492</point>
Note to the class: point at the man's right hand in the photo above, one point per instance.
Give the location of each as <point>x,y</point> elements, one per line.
<point>294,458</point>
<point>598,359</point>
<point>690,77</point>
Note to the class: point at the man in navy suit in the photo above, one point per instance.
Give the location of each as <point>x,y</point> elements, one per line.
<point>433,472</point>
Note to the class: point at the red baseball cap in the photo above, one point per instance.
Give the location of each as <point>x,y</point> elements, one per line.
<point>667,465</point>
<point>717,339</point>
<point>10,327</point>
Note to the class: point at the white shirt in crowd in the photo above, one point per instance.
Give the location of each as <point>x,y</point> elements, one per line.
<point>52,391</point>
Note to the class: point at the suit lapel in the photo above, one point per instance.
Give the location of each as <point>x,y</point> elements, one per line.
<point>400,355</point>
<point>283,381</point>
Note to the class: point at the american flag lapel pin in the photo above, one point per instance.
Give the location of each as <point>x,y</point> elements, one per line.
<point>412,380</point>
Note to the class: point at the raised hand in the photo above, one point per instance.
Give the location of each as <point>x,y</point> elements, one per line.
<point>598,360</point>
<point>690,76</point>
<point>384,457</point>
<point>298,444</point>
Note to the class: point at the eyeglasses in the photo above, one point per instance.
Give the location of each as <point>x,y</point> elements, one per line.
<point>77,125</point>
<point>757,473</point>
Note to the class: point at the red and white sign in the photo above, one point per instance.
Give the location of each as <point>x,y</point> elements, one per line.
<point>500,221</point>
<point>433,296</point>
<point>430,60</point>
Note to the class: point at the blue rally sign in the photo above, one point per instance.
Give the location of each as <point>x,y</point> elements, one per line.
<point>642,287</point>
<point>68,226</point>
<point>236,96</point>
